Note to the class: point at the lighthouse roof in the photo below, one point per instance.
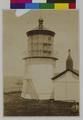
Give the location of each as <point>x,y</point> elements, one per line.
<point>40,30</point>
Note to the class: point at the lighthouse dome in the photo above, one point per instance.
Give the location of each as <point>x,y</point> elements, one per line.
<point>40,29</point>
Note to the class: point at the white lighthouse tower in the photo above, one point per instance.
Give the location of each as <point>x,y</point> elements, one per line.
<point>39,64</point>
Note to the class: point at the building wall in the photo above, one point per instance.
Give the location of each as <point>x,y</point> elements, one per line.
<point>66,87</point>
<point>40,76</point>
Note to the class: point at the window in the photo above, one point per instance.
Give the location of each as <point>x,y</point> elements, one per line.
<point>49,38</point>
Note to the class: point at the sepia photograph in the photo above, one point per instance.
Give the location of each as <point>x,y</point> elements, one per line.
<point>41,74</point>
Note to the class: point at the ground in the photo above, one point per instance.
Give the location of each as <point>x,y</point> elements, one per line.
<point>14,105</point>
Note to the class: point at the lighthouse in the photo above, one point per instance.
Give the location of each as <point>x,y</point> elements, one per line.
<point>40,63</point>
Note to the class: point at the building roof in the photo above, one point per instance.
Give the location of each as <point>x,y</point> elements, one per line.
<point>69,67</point>
<point>40,30</point>
<point>65,71</point>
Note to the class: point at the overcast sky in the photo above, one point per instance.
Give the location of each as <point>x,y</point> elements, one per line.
<point>64,23</point>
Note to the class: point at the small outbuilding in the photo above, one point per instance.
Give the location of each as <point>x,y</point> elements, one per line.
<point>66,83</point>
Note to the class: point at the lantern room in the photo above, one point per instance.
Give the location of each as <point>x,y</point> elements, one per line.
<point>40,41</point>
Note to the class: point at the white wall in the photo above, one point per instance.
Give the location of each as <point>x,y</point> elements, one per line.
<point>66,87</point>
<point>41,75</point>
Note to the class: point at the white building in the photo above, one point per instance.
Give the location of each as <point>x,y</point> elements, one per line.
<point>39,64</point>
<point>66,83</point>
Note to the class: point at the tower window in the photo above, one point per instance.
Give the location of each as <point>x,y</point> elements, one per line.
<point>49,38</point>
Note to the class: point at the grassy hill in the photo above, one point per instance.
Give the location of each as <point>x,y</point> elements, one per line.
<point>14,105</point>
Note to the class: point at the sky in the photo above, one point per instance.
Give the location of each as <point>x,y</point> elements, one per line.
<point>64,23</point>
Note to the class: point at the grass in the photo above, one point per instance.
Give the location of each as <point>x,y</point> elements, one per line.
<point>14,105</point>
